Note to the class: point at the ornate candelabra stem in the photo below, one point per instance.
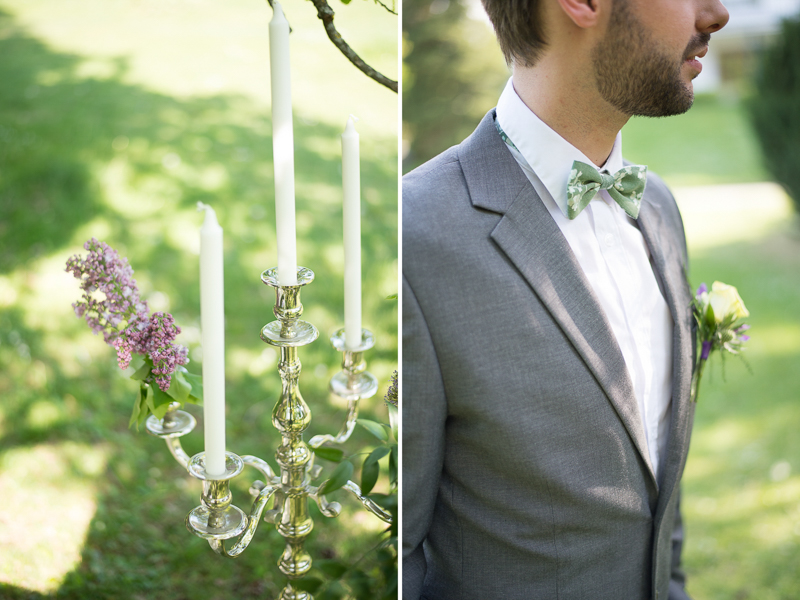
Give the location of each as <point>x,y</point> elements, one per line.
<point>291,416</point>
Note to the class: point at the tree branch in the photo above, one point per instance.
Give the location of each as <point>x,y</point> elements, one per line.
<point>391,10</point>
<point>325,13</point>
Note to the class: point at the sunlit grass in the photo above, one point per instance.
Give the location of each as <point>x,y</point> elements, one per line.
<point>45,520</point>
<point>741,487</point>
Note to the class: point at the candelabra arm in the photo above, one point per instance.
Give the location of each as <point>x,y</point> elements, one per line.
<point>352,383</point>
<point>253,520</point>
<point>344,432</point>
<point>175,424</point>
<point>328,509</point>
<point>177,451</point>
<point>368,503</point>
<point>261,466</point>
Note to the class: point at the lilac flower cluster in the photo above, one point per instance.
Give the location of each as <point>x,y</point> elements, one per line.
<point>122,317</point>
<point>392,392</point>
<point>104,271</point>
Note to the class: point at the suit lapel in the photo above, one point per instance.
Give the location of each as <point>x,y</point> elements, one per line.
<point>669,267</point>
<point>533,242</point>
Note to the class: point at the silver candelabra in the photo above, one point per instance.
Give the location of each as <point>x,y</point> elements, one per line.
<point>229,529</point>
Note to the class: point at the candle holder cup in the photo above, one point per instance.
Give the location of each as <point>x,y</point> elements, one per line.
<point>216,518</point>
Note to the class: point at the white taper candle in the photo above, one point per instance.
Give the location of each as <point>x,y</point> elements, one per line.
<point>351,184</point>
<point>283,146</point>
<point>212,323</point>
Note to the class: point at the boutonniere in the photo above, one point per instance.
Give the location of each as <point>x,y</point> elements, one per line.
<point>718,314</point>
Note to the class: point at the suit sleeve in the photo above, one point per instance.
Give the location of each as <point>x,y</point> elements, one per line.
<point>424,410</point>
<point>677,582</point>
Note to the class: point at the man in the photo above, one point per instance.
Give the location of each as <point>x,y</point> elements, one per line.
<point>547,337</point>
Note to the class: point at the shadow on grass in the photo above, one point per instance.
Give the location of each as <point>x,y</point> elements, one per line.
<point>80,154</point>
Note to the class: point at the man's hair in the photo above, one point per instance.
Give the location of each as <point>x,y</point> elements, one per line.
<point>519,29</point>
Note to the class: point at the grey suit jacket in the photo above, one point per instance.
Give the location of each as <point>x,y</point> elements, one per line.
<point>525,466</point>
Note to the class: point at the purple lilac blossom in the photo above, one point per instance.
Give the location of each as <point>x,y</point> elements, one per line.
<point>702,289</point>
<point>706,351</point>
<point>122,317</point>
<point>391,393</point>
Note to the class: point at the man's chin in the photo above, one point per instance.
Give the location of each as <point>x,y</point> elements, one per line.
<point>671,109</point>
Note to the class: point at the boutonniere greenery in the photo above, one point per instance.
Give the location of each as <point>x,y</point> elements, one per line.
<point>719,313</point>
<point>111,305</point>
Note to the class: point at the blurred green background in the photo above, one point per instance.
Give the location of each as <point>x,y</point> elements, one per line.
<point>741,487</point>
<point>116,118</point>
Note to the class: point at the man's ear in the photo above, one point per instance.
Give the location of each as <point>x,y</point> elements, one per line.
<point>584,13</point>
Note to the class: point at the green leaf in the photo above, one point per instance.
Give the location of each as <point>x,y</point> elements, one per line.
<point>136,362</point>
<point>393,465</point>
<point>161,410</point>
<point>143,371</point>
<point>379,430</point>
<point>146,403</point>
<point>339,477</point>
<point>332,568</point>
<point>149,399</point>
<point>394,419</point>
<point>370,470</point>
<point>196,381</point>
<point>332,454</point>
<point>161,401</point>
<point>136,410</point>
<point>392,297</point>
<point>378,453</point>
<point>179,388</point>
<point>369,476</point>
<point>710,319</point>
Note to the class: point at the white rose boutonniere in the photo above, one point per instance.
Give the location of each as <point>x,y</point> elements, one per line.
<point>718,313</point>
<point>725,300</point>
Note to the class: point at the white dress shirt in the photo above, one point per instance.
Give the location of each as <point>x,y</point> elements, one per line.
<point>613,255</point>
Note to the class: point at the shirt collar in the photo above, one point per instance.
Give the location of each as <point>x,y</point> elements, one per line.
<point>547,153</point>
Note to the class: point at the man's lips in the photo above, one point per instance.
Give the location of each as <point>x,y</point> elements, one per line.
<point>692,58</point>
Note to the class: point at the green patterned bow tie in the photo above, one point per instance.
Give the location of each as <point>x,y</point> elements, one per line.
<point>626,187</point>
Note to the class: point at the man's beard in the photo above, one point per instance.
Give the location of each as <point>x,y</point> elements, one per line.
<point>634,76</point>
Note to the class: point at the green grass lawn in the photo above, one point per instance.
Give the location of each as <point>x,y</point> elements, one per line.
<point>116,118</point>
<point>712,143</point>
<point>742,481</point>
